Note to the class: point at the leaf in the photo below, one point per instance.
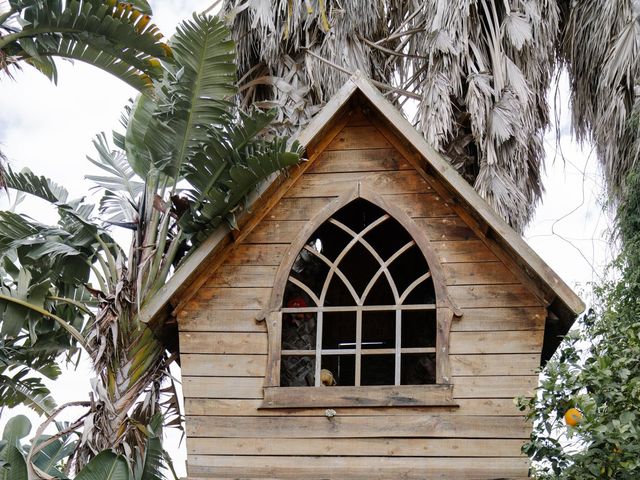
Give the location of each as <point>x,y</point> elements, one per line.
<point>518,30</point>
<point>153,460</point>
<point>119,40</point>
<point>28,391</point>
<point>138,124</point>
<point>16,429</point>
<point>17,469</point>
<point>105,466</point>
<point>39,186</point>
<point>53,454</point>
<point>196,97</point>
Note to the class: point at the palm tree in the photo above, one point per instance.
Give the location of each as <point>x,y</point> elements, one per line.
<point>119,38</point>
<point>474,74</point>
<point>187,159</point>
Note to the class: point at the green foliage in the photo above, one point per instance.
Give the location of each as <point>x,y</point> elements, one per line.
<point>116,37</point>
<point>49,453</point>
<point>597,371</point>
<point>186,162</point>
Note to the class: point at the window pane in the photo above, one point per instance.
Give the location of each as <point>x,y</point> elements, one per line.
<point>298,331</point>
<point>338,294</point>
<point>329,240</point>
<point>359,266</point>
<point>297,371</point>
<point>418,369</point>
<point>310,270</point>
<point>341,367</point>
<point>418,328</point>
<point>379,329</point>
<point>377,370</point>
<point>422,294</point>
<point>388,237</point>
<point>338,330</point>
<point>358,214</point>
<point>408,267</point>
<point>380,293</point>
<point>295,297</point>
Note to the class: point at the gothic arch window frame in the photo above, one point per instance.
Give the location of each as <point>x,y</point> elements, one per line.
<point>436,394</point>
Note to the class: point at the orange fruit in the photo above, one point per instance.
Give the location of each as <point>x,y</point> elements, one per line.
<point>573,417</point>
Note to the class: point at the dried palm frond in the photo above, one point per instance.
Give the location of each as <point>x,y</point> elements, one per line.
<point>601,51</point>
<point>481,70</point>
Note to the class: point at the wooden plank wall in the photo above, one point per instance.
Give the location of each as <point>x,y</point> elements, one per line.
<point>495,348</point>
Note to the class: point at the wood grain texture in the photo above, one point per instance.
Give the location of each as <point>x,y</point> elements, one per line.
<point>222,387</point>
<point>379,396</point>
<point>239,298</point>
<point>503,407</point>
<point>252,388</point>
<point>207,365</point>
<point>493,365</point>
<point>420,205</point>
<point>358,118</point>
<point>365,160</point>
<point>358,138</point>
<point>358,447</point>
<point>487,273</point>
<point>515,295</point>
<point>490,319</point>
<point>249,254</point>
<point>462,251</point>
<point>302,208</point>
<point>352,468</point>
<point>427,426</point>
<point>334,184</point>
<point>522,341</point>
<point>494,387</point>
<point>223,342</point>
<point>445,229</point>
<point>218,365</point>
<point>243,276</point>
<point>206,320</point>
<point>281,231</point>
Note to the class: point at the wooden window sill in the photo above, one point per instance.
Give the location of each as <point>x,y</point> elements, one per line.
<point>369,396</point>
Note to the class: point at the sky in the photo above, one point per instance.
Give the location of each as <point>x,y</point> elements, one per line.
<point>49,129</point>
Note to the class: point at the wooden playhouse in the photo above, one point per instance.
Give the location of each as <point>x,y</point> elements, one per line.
<point>371,318</point>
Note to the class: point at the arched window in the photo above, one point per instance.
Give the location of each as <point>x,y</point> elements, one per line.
<point>357,303</point>
<point>359,306</point>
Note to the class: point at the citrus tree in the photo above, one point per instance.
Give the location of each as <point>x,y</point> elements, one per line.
<point>182,167</point>
<point>587,409</point>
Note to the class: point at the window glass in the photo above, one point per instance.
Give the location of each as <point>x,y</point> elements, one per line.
<point>360,281</point>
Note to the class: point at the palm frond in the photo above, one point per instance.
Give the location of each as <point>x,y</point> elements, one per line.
<point>17,388</point>
<point>117,37</point>
<point>196,96</point>
<point>234,163</point>
<point>481,70</point>
<point>36,185</point>
<point>123,187</point>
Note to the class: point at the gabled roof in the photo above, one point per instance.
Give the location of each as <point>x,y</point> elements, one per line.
<point>564,303</point>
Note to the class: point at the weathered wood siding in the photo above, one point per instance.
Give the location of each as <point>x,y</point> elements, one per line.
<point>495,347</point>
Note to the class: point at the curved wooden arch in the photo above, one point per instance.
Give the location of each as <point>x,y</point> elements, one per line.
<point>359,238</point>
<point>418,236</point>
<point>446,309</point>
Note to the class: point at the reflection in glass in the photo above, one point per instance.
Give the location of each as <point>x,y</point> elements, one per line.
<point>297,371</point>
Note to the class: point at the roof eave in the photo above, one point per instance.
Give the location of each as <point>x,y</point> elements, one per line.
<point>189,269</point>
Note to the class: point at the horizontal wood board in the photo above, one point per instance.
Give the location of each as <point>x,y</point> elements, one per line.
<point>494,347</point>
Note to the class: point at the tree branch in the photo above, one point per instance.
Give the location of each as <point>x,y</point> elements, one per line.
<point>375,82</point>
